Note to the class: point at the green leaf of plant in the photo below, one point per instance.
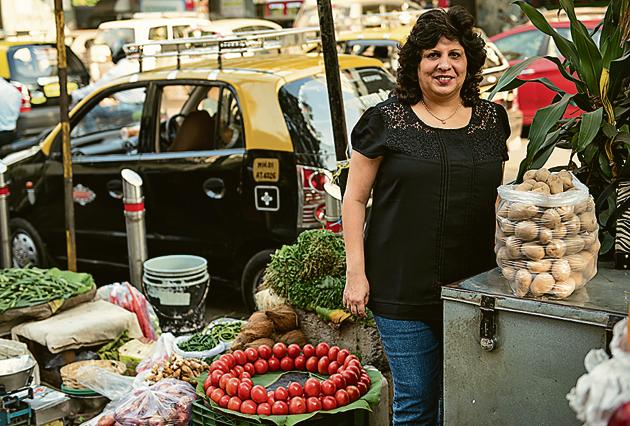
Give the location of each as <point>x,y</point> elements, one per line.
<point>604,166</point>
<point>607,242</point>
<point>506,79</point>
<point>619,68</point>
<point>562,67</point>
<point>609,130</point>
<point>589,127</point>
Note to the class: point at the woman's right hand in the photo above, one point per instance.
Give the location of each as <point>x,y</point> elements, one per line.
<point>356,293</point>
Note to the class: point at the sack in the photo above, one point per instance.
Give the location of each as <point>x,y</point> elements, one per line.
<point>546,244</point>
<point>128,297</point>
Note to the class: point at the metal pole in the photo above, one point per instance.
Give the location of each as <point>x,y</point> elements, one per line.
<point>5,232</point>
<point>65,135</point>
<point>333,81</point>
<point>134,220</point>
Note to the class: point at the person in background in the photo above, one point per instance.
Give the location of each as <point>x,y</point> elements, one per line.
<point>432,157</point>
<point>10,103</point>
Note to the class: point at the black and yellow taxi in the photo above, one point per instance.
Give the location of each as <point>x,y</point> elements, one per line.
<point>233,154</point>
<point>32,67</point>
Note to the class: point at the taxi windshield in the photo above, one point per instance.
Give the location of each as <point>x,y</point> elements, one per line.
<point>306,111</point>
<point>31,64</point>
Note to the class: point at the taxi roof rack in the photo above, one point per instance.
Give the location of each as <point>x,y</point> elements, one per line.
<point>241,43</point>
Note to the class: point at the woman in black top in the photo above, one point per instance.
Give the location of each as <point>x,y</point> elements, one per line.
<point>432,156</point>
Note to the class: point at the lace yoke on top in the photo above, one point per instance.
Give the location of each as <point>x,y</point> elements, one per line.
<point>408,135</point>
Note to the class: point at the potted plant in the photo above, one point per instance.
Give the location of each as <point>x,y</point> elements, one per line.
<point>600,137</point>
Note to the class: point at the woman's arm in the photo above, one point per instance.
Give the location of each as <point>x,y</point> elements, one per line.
<point>360,181</point>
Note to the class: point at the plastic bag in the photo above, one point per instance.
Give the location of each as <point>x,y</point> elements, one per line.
<point>220,348</point>
<point>606,386</point>
<point>162,351</point>
<point>546,244</point>
<point>168,402</point>
<point>11,348</point>
<point>105,382</point>
<point>128,297</point>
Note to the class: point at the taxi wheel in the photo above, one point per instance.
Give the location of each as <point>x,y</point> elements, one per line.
<point>252,277</point>
<point>27,247</point>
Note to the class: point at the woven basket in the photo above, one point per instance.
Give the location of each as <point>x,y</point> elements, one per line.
<point>69,372</point>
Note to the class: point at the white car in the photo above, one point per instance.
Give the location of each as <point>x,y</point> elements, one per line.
<point>227,27</point>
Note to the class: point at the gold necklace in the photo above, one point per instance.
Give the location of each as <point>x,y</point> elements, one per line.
<point>443,120</point>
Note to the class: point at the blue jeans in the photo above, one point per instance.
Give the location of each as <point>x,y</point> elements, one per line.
<point>414,355</point>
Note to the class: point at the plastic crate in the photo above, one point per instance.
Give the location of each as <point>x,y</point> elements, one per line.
<point>206,416</point>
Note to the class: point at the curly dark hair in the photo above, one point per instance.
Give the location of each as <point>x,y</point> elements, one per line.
<point>454,24</point>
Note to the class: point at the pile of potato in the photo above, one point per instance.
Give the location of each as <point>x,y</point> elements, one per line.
<point>546,250</point>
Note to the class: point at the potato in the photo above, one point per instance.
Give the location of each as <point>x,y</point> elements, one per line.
<point>522,211</point>
<point>513,247</point>
<point>541,284</point>
<point>560,232</point>
<point>532,182</point>
<point>530,174</point>
<point>522,280</point>
<point>577,262</point>
<point>563,289</point>
<point>573,224</point>
<point>503,210</point>
<point>526,230</point>
<point>541,187</point>
<point>565,212</point>
<point>550,218</point>
<point>502,257</point>
<point>508,273</point>
<point>556,249</point>
<point>574,245</point>
<point>561,270</point>
<point>538,266</point>
<point>588,222</point>
<point>533,251</point>
<point>499,235</point>
<point>506,225</point>
<point>524,187</point>
<point>594,248</point>
<point>555,184</point>
<point>589,238</point>
<point>542,175</point>
<point>578,279</point>
<point>581,207</point>
<point>545,235</point>
<point>567,179</point>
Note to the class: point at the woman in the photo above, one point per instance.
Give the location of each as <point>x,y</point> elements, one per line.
<point>432,156</point>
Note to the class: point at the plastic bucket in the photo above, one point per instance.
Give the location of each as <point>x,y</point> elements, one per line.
<point>177,286</point>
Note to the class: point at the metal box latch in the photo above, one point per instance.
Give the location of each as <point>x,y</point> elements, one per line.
<point>488,326</point>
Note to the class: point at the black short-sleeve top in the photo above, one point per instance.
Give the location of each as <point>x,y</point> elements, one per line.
<point>432,219</point>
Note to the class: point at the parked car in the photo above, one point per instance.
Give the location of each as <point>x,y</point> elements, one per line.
<point>382,44</point>
<point>32,68</point>
<point>233,157</point>
<point>525,41</point>
<point>227,27</point>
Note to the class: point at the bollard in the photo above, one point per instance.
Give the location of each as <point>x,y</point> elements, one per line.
<point>133,202</point>
<point>333,208</point>
<point>5,232</point>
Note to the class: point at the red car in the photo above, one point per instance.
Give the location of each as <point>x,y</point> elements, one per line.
<point>525,41</point>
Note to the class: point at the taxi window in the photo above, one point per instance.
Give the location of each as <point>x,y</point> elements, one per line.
<point>521,46</point>
<point>111,126</point>
<point>32,62</point>
<point>307,114</point>
<point>199,118</point>
<point>158,33</point>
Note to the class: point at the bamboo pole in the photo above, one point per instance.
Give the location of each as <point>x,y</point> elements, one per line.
<point>65,135</point>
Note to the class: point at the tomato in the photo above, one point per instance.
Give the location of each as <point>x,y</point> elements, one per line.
<point>322,365</point>
<point>228,359</point>
<point>247,380</point>
<point>350,376</point>
<point>249,368</point>
<point>223,402</point>
<point>342,397</point>
<point>295,389</point>
<point>245,375</point>
<point>354,369</point>
<point>311,364</point>
<point>279,408</point>
<point>219,365</point>
<point>258,394</point>
<point>328,387</point>
<point>251,354</point>
<point>333,367</point>
<point>279,350</point>
<point>264,409</point>
<point>234,404</point>
<point>338,380</point>
<point>365,378</point>
<point>281,394</point>
<point>363,388</point>
<point>261,366</point>
<point>208,382</point>
<point>293,350</point>
<point>322,349</point>
<point>297,405</point>
<point>215,376</point>
<point>342,355</point>
<point>232,386</point>
<point>329,403</point>
<point>353,393</point>
<point>224,379</point>
<point>312,387</point>
<point>249,407</point>
<point>274,363</point>
<point>313,404</point>
<point>217,394</point>
<point>240,357</point>
<point>349,358</point>
<point>300,362</point>
<point>356,364</point>
<point>286,363</point>
<point>308,350</point>
<point>271,397</point>
<point>238,369</point>
<point>333,352</point>
<point>244,390</point>
<point>264,352</point>
<point>211,389</point>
